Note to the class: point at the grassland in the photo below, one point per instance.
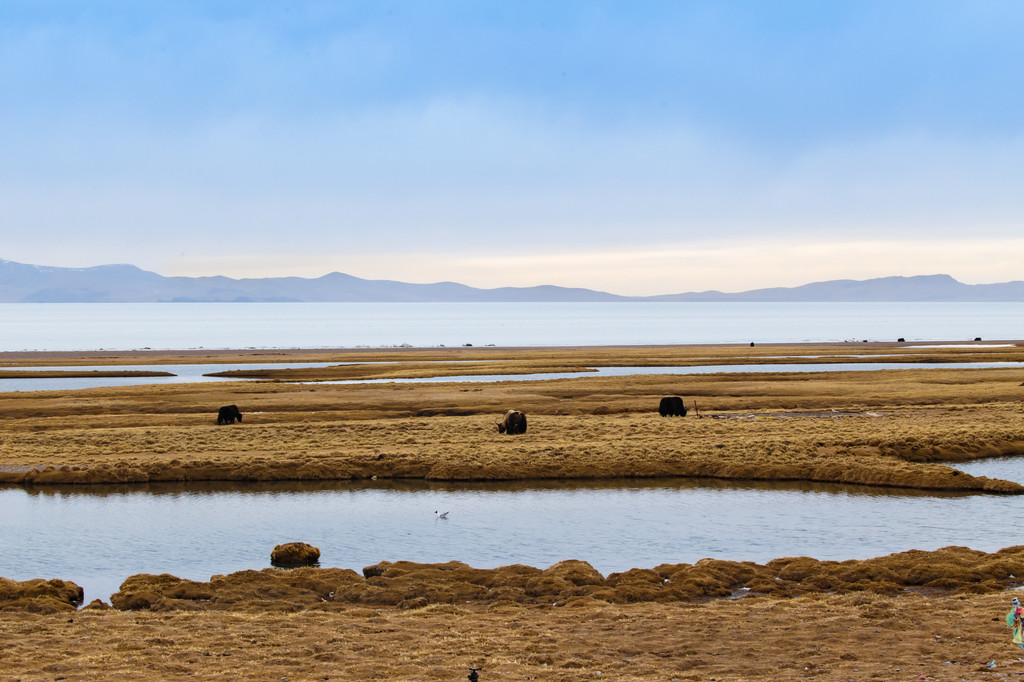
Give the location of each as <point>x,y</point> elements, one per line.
<point>937,614</point>
<point>859,636</point>
<point>887,427</point>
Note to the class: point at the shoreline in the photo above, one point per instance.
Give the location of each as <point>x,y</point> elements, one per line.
<point>20,355</point>
<point>944,572</point>
<point>925,615</point>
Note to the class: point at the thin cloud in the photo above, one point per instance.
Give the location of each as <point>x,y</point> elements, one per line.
<point>416,140</point>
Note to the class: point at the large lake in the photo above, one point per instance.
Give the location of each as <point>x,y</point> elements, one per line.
<point>98,535</point>
<point>129,326</point>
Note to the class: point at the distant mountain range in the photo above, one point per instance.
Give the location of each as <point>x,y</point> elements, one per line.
<point>21,283</point>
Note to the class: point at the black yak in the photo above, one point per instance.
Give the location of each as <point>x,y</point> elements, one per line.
<point>228,414</point>
<point>512,423</point>
<point>672,407</point>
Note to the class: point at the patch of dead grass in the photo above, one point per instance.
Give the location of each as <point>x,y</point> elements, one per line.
<point>888,427</point>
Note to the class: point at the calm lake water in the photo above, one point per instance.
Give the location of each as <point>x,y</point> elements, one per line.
<point>97,536</point>
<point>128,326</point>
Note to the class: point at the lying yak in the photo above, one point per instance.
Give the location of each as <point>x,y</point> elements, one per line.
<point>513,422</point>
<point>228,414</point>
<point>672,407</point>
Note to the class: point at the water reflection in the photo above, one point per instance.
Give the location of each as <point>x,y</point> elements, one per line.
<point>420,485</point>
<point>99,535</point>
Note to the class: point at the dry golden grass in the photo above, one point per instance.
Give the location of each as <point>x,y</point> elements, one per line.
<point>431,621</point>
<point>413,585</point>
<point>857,636</point>
<point>886,427</point>
<point>829,619</point>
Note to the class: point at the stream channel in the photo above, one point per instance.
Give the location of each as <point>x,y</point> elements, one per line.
<point>199,373</point>
<point>96,536</point>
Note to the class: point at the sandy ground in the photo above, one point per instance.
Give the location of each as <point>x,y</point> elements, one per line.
<point>881,428</point>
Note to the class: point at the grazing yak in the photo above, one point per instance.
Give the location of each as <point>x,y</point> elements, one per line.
<point>228,414</point>
<point>513,422</point>
<point>672,407</point>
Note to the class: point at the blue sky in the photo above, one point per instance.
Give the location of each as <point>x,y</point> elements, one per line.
<point>638,148</point>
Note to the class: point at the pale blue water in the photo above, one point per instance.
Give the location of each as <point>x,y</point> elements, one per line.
<point>129,326</point>
<point>98,536</point>
<point>180,374</point>
<point>198,373</point>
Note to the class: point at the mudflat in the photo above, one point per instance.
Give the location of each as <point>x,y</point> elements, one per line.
<point>897,618</point>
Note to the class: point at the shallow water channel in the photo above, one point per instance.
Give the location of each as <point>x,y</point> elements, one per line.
<point>98,535</point>
<point>179,374</point>
<point>200,373</point>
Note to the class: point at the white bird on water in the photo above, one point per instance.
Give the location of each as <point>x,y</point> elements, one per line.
<point>441,516</point>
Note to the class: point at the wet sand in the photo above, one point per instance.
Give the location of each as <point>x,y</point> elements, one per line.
<point>883,428</point>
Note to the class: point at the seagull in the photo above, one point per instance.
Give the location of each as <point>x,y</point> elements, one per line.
<point>441,516</point>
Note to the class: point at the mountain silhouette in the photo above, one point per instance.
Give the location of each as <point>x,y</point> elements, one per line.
<point>21,283</point>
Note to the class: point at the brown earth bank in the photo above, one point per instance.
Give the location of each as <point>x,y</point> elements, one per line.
<point>886,427</point>
<point>913,615</point>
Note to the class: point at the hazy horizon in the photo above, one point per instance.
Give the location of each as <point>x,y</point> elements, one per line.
<point>641,149</point>
<point>936,283</point>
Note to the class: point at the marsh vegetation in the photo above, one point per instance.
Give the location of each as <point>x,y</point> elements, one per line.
<point>914,612</point>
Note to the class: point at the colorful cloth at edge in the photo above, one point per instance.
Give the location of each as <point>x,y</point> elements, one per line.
<point>1015,620</point>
